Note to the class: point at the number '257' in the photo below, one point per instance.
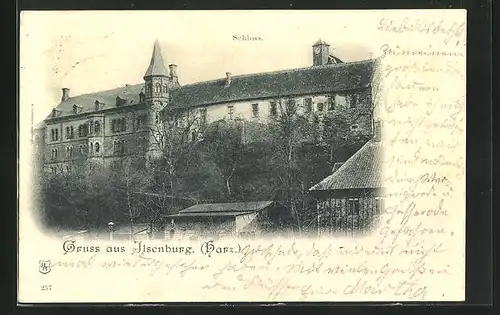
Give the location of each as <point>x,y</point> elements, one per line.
<point>47,287</point>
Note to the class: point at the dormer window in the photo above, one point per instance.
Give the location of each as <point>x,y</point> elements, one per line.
<point>96,105</point>
<point>120,101</point>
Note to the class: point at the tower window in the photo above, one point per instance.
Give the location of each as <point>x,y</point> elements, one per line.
<point>97,127</point>
<point>91,127</point>
<point>97,147</point>
<point>255,110</point>
<point>273,111</point>
<point>157,88</point>
<point>165,88</point>
<point>149,89</point>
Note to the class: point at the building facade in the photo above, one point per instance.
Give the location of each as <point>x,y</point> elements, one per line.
<point>351,199</point>
<point>106,126</point>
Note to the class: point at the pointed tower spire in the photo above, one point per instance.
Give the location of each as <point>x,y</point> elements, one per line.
<point>156,66</point>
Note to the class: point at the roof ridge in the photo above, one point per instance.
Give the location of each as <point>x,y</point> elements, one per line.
<point>336,65</point>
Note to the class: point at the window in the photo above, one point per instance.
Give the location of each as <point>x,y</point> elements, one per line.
<point>290,106</point>
<point>320,107</point>
<point>354,127</point>
<point>203,114</point>
<point>379,205</point>
<point>139,122</point>
<point>308,105</point>
<point>354,101</point>
<point>54,154</point>
<point>83,130</point>
<point>68,132</point>
<point>96,147</point>
<point>97,127</point>
<point>273,111</point>
<point>118,125</point>
<point>91,127</point>
<point>68,168</point>
<point>82,149</point>
<point>91,147</point>
<point>118,147</point>
<point>149,89</point>
<point>69,151</point>
<point>331,102</point>
<point>157,88</point>
<point>54,134</point>
<point>230,111</point>
<point>255,110</point>
<point>193,136</point>
<point>157,118</point>
<point>353,206</point>
<point>165,88</point>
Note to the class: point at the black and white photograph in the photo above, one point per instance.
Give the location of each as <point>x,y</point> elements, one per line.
<point>321,159</point>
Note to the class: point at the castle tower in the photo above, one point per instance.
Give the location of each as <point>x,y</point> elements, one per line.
<point>156,97</point>
<point>321,52</point>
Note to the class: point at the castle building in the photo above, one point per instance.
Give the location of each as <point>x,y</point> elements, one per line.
<point>108,125</point>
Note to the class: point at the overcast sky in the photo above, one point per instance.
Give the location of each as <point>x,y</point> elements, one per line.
<point>92,51</point>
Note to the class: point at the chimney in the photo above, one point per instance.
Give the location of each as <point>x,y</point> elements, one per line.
<point>377,131</point>
<point>228,79</point>
<point>173,71</point>
<point>96,104</point>
<point>65,94</point>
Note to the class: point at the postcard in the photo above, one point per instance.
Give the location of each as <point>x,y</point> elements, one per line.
<point>242,156</point>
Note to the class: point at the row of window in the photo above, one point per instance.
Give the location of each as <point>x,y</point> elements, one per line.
<point>94,127</point>
<point>158,88</point>
<point>119,125</point>
<point>291,106</point>
<point>94,148</point>
<point>53,169</point>
<point>353,206</point>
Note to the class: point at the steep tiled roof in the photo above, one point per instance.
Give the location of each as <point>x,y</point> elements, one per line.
<point>107,99</point>
<point>362,170</point>
<point>156,66</point>
<point>320,79</point>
